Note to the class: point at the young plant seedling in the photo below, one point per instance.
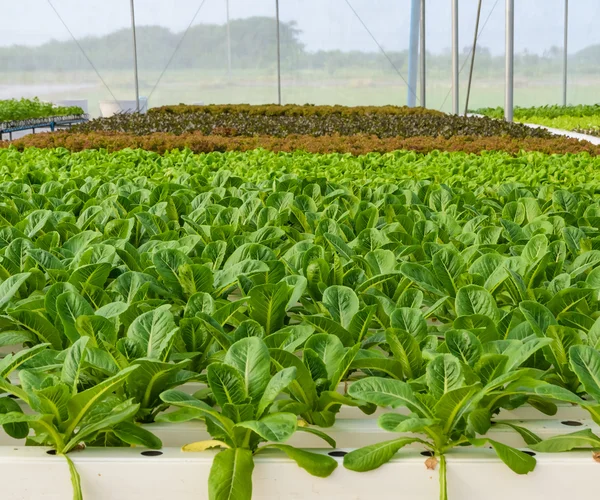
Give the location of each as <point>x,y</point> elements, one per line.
<point>65,419</point>
<point>246,394</point>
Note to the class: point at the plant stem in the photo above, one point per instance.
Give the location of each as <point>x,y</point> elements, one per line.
<point>443,484</point>
<point>75,479</point>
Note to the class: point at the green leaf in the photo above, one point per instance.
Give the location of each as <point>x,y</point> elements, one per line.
<point>325,325</point>
<point>278,383</point>
<point>464,345</point>
<point>528,436</point>
<point>70,306</point>
<point>474,299</point>
<point>342,366</point>
<point>268,305</point>
<point>316,432</point>
<point>373,456</point>
<point>38,325</point>
<point>227,384</point>
<point>73,363</point>
<point>302,388</point>
<point>329,349</point>
<point>535,248</point>
<point>448,265</point>
<point>81,404</point>
<point>517,461</point>
<point>583,439</point>
<point>275,427</point>
<point>167,263</point>
<point>388,393</point>
<point>154,332</point>
<point>406,350</point>
<point>10,287</point>
<point>314,463</point>
<point>395,422</point>
<point>11,362</point>
<point>137,435</point>
<point>230,476</point>
<point>152,378</point>
<point>453,404</point>
<point>16,430</point>
<point>342,304</point>
<point>185,401</point>
<point>250,356</point>
<point>90,274</point>
<point>443,375</point>
<point>103,420</point>
<point>538,316</point>
<point>410,320</point>
<point>585,362</point>
<point>195,278</point>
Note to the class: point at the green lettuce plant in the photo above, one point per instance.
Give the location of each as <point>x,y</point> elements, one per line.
<point>248,413</point>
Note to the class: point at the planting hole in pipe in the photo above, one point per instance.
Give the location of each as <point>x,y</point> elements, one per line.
<point>51,452</point>
<point>571,423</point>
<point>337,453</point>
<point>152,453</point>
<point>530,453</point>
<point>427,453</point>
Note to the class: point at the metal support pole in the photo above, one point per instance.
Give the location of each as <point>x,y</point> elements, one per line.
<point>413,53</point>
<point>509,59</point>
<point>423,57</point>
<point>135,60</point>
<point>278,54</point>
<point>565,46</point>
<point>228,41</point>
<point>455,57</point>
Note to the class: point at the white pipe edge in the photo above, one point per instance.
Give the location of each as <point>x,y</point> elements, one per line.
<point>567,133</point>
<point>353,433</point>
<point>556,131</point>
<point>124,474</point>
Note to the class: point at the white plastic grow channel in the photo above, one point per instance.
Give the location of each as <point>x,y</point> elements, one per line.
<point>126,474</point>
<point>351,433</point>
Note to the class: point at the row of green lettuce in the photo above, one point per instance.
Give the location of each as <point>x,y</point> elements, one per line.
<point>273,278</point>
<point>27,109</point>
<point>581,118</point>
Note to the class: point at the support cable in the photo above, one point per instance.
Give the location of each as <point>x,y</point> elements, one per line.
<point>412,91</point>
<point>83,51</point>
<point>176,48</point>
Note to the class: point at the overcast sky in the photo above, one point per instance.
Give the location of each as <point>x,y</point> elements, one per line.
<point>326,24</point>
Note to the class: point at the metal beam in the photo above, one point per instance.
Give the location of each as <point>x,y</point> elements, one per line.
<point>413,53</point>
<point>228,41</point>
<point>278,54</point>
<point>455,70</point>
<point>509,60</point>
<point>135,59</point>
<point>565,47</point>
<point>423,57</point>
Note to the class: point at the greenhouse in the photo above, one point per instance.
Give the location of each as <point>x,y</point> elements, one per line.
<point>285,249</point>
